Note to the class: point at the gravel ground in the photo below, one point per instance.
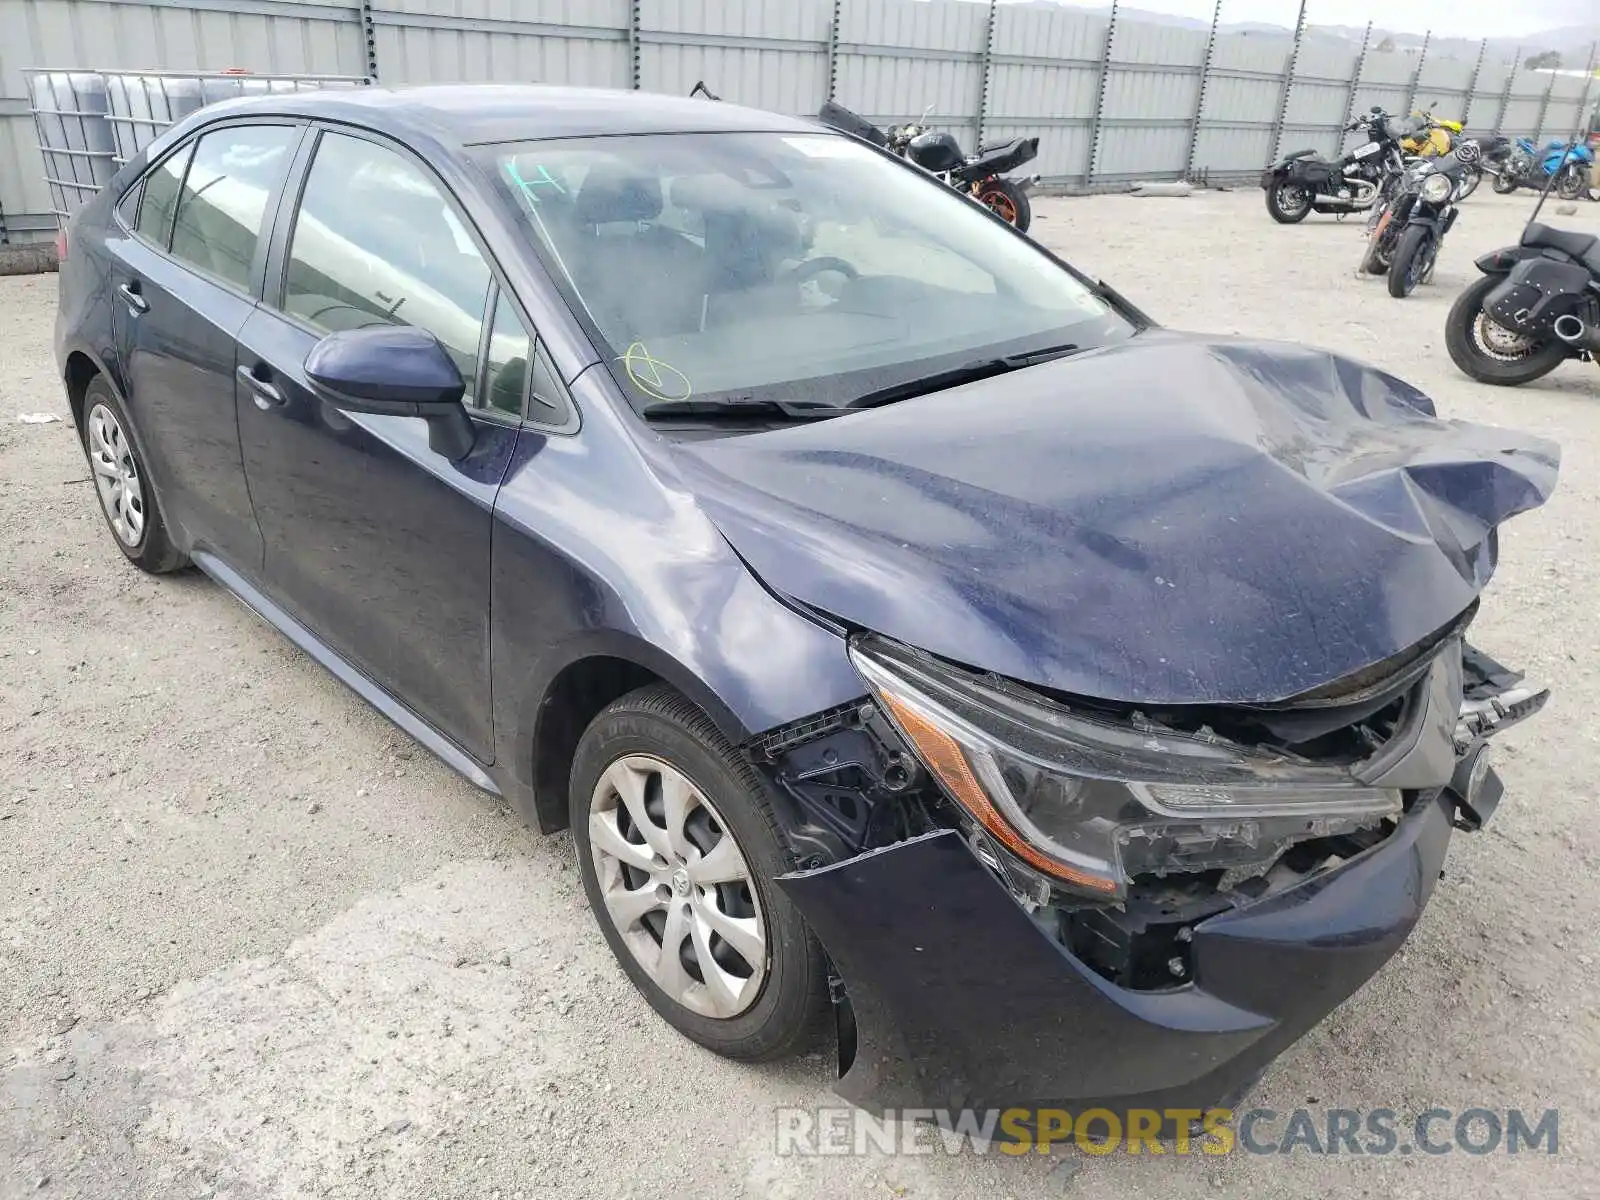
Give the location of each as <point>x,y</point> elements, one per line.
<point>255,943</point>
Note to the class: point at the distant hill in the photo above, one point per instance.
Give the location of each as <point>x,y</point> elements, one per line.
<point>1572,41</point>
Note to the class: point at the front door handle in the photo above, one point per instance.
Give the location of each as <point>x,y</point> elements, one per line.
<point>131,297</point>
<point>263,393</point>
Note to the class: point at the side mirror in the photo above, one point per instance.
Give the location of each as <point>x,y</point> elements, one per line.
<point>397,371</point>
<point>1376,109</point>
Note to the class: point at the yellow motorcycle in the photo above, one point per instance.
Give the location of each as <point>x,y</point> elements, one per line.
<point>1434,138</point>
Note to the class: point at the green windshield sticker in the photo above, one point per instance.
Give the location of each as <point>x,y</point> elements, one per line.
<point>653,377</point>
<point>542,178</point>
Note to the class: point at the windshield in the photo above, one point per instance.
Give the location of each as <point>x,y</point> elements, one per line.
<point>791,268</point>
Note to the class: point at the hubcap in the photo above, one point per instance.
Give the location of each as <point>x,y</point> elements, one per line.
<point>1498,342</point>
<point>1292,199</point>
<point>116,476</point>
<point>677,887</point>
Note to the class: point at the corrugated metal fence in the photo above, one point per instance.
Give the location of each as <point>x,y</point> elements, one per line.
<point>1111,99</point>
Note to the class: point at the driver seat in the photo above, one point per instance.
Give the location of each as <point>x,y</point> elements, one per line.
<point>1582,246</point>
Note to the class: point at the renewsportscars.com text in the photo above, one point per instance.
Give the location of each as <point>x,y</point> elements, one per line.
<point>846,1131</point>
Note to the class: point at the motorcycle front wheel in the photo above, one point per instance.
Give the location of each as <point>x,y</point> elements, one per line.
<point>1571,184</point>
<point>1289,203</point>
<point>1491,353</point>
<point>1504,183</point>
<point>1413,256</point>
<point>1006,200</point>
<point>1469,184</point>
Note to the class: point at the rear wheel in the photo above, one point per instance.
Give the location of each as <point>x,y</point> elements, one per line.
<point>122,483</point>
<point>678,845</point>
<point>1289,203</point>
<point>1006,200</point>
<point>1413,259</point>
<point>1491,353</point>
<point>1504,183</point>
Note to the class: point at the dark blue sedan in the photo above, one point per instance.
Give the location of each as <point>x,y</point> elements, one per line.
<point>913,636</point>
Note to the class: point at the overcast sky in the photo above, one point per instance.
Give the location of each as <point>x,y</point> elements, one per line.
<point>1459,18</point>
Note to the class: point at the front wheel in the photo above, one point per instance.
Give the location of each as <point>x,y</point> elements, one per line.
<point>678,844</point>
<point>1571,184</point>
<point>1413,258</point>
<point>1469,184</point>
<point>1491,353</point>
<point>1504,183</point>
<point>1006,199</point>
<point>1289,203</point>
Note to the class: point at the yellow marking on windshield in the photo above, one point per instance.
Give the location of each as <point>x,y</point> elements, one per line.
<point>653,377</point>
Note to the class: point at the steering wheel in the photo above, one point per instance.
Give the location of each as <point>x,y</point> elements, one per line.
<point>809,269</point>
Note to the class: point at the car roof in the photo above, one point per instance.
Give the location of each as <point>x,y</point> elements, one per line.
<point>473,114</point>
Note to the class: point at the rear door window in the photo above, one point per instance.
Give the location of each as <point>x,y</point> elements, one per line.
<point>377,242</point>
<point>160,196</point>
<point>223,203</point>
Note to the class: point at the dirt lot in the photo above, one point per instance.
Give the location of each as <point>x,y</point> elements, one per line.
<point>254,943</point>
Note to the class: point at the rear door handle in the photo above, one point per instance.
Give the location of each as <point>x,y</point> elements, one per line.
<point>263,393</point>
<point>131,297</point>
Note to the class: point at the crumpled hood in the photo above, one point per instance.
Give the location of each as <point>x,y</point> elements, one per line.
<point>1172,520</point>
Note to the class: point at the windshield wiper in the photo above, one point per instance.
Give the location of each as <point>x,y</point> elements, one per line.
<point>971,372</point>
<point>790,410</point>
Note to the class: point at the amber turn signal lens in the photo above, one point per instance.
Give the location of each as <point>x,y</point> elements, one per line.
<point>945,759</point>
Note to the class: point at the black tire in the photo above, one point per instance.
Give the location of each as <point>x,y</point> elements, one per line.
<point>1411,260</point>
<point>1570,183</point>
<point>1287,211</point>
<point>1006,199</point>
<point>1469,183</point>
<point>1504,183</point>
<point>153,549</point>
<point>1460,339</point>
<point>1379,252</point>
<point>788,1013</point>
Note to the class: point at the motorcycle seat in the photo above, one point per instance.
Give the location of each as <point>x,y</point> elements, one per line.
<point>1299,154</point>
<point>1578,245</point>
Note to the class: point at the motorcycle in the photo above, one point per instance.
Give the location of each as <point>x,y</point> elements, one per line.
<point>979,175</point>
<point>1405,240</point>
<point>1528,166</point>
<point>1305,182</point>
<point>1433,138</point>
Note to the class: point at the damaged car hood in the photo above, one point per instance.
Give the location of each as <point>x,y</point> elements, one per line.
<point>1172,520</point>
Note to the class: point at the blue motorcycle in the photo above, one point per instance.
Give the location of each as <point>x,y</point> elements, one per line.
<point>1530,167</point>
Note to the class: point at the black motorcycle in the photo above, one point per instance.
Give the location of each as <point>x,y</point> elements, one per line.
<point>979,175</point>
<point>1304,182</point>
<point>1405,240</point>
<point>1537,305</point>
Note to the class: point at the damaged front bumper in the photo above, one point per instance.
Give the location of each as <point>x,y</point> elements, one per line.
<point>960,999</point>
<point>966,989</point>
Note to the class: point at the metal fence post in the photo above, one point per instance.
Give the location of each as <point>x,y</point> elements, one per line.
<point>1355,84</point>
<point>1416,76</point>
<point>1544,105</point>
<point>369,38</point>
<point>633,44</point>
<point>1200,97</point>
<point>1288,83</point>
<point>833,48</point>
<point>1100,97</point>
<point>988,64</point>
<point>1505,92</point>
<point>1472,84</point>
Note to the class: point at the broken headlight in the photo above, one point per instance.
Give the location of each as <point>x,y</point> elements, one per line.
<point>1093,801</point>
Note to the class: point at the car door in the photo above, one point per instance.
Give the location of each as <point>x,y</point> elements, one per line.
<point>186,267</point>
<point>374,542</point>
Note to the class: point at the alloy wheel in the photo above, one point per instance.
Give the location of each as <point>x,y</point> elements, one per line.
<point>116,475</point>
<point>1292,201</point>
<point>677,887</point>
<point>1499,343</point>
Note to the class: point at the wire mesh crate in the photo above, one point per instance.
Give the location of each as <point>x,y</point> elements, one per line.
<point>91,122</point>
